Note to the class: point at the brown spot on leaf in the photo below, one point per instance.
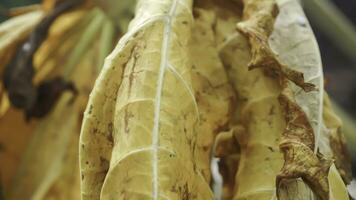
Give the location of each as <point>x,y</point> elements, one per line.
<point>132,73</point>
<point>104,162</point>
<point>90,109</point>
<point>127,117</point>
<point>109,135</point>
<point>186,193</point>
<point>271,149</point>
<point>272,110</point>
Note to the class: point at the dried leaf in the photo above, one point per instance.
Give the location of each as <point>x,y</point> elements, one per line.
<point>295,44</point>
<point>228,161</point>
<point>259,112</point>
<point>293,41</point>
<point>298,141</point>
<point>297,145</point>
<point>257,25</point>
<point>130,142</point>
<point>212,91</point>
<point>292,38</point>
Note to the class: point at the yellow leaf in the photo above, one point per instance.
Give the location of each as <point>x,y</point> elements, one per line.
<point>212,91</point>
<point>139,129</point>
<point>262,112</point>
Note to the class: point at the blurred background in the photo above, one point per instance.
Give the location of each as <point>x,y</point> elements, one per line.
<point>12,3</point>
<point>334,23</point>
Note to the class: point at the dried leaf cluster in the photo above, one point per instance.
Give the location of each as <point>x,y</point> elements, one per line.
<point>181,75</point>
<point>189,83</point>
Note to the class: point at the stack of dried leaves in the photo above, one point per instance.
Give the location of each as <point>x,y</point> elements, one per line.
<point>183,73</point>
<point>239,81</point>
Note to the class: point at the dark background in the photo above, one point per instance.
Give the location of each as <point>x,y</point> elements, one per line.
<point>340,70</point>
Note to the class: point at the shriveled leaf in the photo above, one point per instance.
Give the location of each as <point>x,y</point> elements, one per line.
<point>257,25</point>
<point>297,145</point>
<point>296,46</point>
<point>261,117</point>
<point>293,44</point>
<point>298,142</point>
<point>258,113</point>
<point>213,94</point>
<point>226,14</point>
<point>212,91</point>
